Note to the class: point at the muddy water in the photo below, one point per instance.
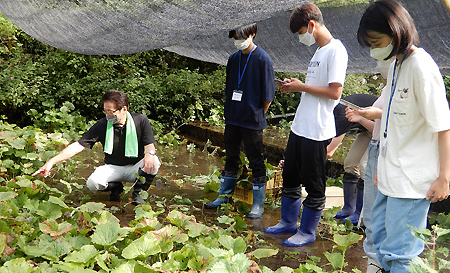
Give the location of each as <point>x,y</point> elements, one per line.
<point>174,179</point>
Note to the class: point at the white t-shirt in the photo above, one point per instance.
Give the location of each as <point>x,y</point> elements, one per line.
<point>419,110</point>
<point>314,118</point>
<point>379,104</point>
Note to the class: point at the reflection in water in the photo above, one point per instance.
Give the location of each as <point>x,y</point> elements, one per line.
<point>176,182</point>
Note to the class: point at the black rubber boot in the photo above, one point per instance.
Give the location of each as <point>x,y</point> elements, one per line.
<point>116,188</point>
<point>139,186</point>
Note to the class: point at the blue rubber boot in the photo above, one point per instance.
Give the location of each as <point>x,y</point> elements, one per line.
<point>227,185</point>
<point>290,209</point>
<point>349,201</point>
<point>259,196</point>
<point>306,234</point>
<point>359,204</point>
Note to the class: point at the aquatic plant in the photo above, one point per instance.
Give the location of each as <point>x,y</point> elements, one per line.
<point>42,231</point>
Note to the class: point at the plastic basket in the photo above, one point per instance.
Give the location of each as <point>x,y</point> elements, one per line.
<point>273,189</point>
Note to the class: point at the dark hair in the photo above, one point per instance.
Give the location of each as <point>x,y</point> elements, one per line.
<point>119,98</point>
<point>391,18</point>
<point>244,32</point>
<point>301,16</point>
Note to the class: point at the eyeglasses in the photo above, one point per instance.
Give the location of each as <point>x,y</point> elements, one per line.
<point>110,112</point>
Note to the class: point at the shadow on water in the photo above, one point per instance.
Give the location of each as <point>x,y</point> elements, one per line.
<point>175,180</point>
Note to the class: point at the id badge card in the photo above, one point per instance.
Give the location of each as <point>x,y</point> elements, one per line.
<point>237,95</point>
<point>384,148</point>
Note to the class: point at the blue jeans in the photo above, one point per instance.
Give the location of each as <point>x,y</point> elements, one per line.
<point>370,193</point>
<point>392,238</point>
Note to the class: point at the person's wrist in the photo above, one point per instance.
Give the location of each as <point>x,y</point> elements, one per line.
<point>151,152</point>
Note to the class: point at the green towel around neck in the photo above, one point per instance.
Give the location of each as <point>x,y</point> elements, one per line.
<point>131,141</point>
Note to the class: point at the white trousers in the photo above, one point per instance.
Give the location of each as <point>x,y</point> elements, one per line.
<point>99,179</point>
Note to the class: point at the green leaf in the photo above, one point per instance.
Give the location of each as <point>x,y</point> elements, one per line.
<point>17,143</point>
<point>9,195</point>
<point>55,248</point>
<point>336,259</point>
<point>238,244</point>
<point>32,250</point>
<point>107,217</point>
<point>226,241</point>
<point>178,218</point>
<point>144,212</point>
<point>313,268</point>
<point>441,231</point>
<point>284,269</point>
<point>58,202</point>
<point>49,210</point>
<point>71,267</point>
<point>78,241</point>
<point>108,234</point>
<point>31,156</point>
<point>240,224</point>
<point>166,245</point>
<point>196,263</point>
<point>344,241</point>
<point>237,263</point>
<point>141,248</point>
<point>17,265</point>
<point>8,163</point>
<point>127,267</point>
<point>84,255</point>
<point>420,233</point>
<point>101,261</point>
<point>225,220</point>
<point>264,253</point>
<point>217,252</point>
<point>52,228</point>
<point>91,207</point>
<point>3,243</point>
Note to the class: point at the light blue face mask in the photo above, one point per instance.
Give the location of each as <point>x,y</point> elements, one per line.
<point>112,119</point>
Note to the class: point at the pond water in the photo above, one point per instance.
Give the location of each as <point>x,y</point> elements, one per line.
<point>174,180</point>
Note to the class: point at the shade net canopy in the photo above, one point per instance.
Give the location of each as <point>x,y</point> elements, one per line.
<point>199,28</point>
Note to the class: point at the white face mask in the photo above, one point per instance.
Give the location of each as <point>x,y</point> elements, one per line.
<point>381,53</point>
<point>307,38</point>
<point>242,44</point>
<point>383,67</point>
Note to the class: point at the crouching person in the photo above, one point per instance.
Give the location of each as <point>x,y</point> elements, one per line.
<point>128,144</point>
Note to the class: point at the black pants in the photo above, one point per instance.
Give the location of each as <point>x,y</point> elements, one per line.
<point>234,136</point>
<point>304,164</point>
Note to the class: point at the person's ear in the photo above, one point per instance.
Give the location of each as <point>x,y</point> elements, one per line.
<point>311,25</point>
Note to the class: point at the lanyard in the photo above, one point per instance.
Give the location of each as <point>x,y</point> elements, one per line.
<point>393,87</point>
<point>245,66</point>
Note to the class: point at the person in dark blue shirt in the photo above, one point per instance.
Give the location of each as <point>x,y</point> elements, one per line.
<point>250,88</point>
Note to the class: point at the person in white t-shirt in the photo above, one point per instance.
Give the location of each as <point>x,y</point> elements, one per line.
<point>312,129</point>
<point>414,159</point>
